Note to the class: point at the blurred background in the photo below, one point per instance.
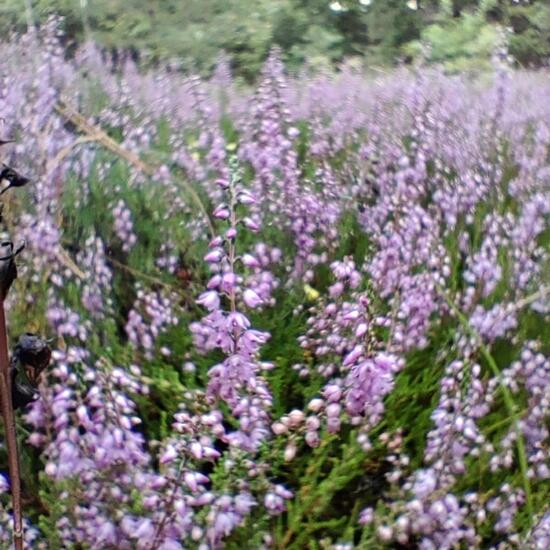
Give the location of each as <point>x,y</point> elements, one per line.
<point>460,34</point>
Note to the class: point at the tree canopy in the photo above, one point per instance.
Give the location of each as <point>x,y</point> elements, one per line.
<point>321,32</point>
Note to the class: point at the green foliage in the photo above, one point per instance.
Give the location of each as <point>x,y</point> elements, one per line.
<point>462,43</point>
<point>530,43</point>
<point>390,24</point>
<point>461,33</point>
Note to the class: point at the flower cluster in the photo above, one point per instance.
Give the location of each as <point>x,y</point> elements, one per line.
<point>123,226</point>
<point>237,380</point>
<point>152,313</point>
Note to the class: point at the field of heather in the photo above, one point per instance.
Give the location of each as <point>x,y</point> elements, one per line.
<point>308,314</point>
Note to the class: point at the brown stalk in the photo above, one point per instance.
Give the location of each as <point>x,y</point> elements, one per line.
<point>6,404</point>
<point>9,428</point>
<point>98,135</point>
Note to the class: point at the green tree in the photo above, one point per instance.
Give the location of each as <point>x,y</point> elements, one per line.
<point>391,24</point>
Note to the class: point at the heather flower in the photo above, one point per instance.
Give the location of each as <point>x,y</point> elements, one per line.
<point>123,226</point>
<point>152,314</point>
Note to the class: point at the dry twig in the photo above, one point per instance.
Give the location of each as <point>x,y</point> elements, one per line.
<point>95,133</point>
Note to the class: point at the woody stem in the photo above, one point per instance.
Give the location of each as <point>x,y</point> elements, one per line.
<point>9,428</point>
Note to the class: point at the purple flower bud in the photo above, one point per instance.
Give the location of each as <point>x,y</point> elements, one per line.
<point>214,256</point>
<point>315,405</point>
<point>332,393</point>
<point>336,290</point>
<point>249,223</point>
<point>214,282</point>
<point>333,410</point>
<point>82,415</point>
<point>221,212</point>
<point>353,355</point>
<point>237,320</point>
<point>312,423</point>
<point>293,132</point>
<point>169,455</point>
<point>333,424</point>
<point>229,282</point>
<point>210,300</point>
<point>251,298</point>
<point>250,261</point>
<point>191,481</point>
<point>202,500</point>
<point>196,450</point>
<point>352,315</point>
<point>361,329</point>
<point>210,454</point>
<point>215,242</point>
<point>296,417</point>
<point>244,197</point>
<point>312,439</point>
<point>366,517</point>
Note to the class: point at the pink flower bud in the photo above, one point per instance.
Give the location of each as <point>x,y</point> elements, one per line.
<point>279,428</point>
<point>36,439</point>
<point>384,533</point>
<point>312,439</point>
<point>315,405</point>
<point>197,533</point>
<point>296,417</point>
<point>312,423</point>
<point>290,452</point>
<point>333,424</point>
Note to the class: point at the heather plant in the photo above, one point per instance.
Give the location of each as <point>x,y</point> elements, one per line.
<point>312,315</point>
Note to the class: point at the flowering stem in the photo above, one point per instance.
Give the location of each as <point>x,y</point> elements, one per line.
<point>508,401</point>
<point>232,249</point>
<point>168,505</point>
<point>9,426</point>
